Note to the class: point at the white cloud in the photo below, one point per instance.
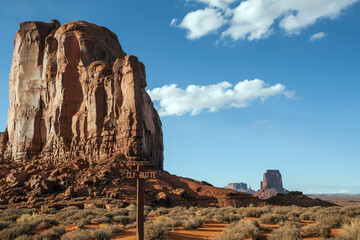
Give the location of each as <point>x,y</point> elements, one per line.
<point>173,22</point>
<point>317,36</point>
<point>257,19</point>
<point>194,99</point>
<point>202,22</point>
<point>344,191</point>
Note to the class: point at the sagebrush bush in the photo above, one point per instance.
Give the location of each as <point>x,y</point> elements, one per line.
<point>17,230</point>
<point>50,211</point>
<point>318,229</point>
<point>350,211</point>
<point>351,230</point>
<point>49,234</point>
<point>194,223</point>
<point>82,234</point>
<point>287,232</point>
<point>159,212</point>
<point>155,231</point>
<point>4,225</point>
<point>269,218</point>
<point>172,222</point>
<point>25,218</point>
<point>239,231</point>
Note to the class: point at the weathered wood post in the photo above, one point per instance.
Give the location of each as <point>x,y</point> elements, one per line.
<point>141,175</point>
<point>140,204</point>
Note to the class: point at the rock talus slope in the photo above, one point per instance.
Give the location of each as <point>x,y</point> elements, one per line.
<point>74,92</point>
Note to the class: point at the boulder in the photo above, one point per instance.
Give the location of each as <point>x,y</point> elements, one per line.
<point>16,178</point>
<point>179,191</point>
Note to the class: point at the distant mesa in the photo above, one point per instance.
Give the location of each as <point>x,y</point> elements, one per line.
<point>240,187</point>
<point>271,185</point>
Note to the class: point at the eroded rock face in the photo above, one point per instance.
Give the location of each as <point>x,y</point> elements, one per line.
<point>75,93</point>
<point>271,185</point>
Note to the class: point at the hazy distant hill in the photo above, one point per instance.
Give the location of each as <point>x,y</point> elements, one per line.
<point>339,199</point>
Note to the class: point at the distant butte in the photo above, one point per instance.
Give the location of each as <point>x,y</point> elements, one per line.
<point>271,185</point>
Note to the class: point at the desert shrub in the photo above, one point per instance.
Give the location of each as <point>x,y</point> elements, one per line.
<point>287,232</point>
<point>350,211</point>
<point>10,215</point>
<point>50,211</point>
<point>131,225</point>
<point>221,218</point>
<point>111,228</point>
<point>253,212</point>
<point>294,219</point>
<point>123,219</point>
<point>4,225</point>
<point>319,229</point>
<point>177,211</point>
<point>52,233</point>
<point>17,230</point>
<point>266,229</point>
<point>120,212</point>
<point>308,216</point>
<point>155,231</point>
<point>239,231</point>
<point>25,237</point>
<point>131,207</point>
<point>351,230</point>
<point>81,234</point>
<point>72,215</point>
<point>194,223</point>
<point>101,219</point>
<point>333,221</point>
<point>25,218</point>
<point>269,218</point>
<point>172,222</point>
<point>159,212</point>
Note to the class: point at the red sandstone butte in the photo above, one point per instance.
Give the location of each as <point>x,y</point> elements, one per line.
<point>75,93</point>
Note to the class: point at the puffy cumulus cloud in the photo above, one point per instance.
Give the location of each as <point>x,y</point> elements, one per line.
<point>317,36</point>
<point>202,22</point>
<point>257,19</point>
<point>195,99</point>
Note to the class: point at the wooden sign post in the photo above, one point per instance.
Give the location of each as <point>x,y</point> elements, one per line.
<point>140,175</point>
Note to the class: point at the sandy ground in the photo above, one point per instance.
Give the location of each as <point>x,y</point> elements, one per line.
<point>207,231</point>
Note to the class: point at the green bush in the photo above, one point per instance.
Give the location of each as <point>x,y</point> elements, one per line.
<point>239,231</point>
<point>287,232</point>
<point>155,231</point>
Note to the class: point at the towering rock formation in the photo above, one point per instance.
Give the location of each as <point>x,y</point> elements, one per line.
<point>271,185</point>
<point>272,179</point>
<point>75,93</point>
<point>240,187</point>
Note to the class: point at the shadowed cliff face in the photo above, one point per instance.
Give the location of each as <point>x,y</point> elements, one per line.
<point>74,92</point>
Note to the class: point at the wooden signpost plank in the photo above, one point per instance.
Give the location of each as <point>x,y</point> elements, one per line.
<point>140,175</point>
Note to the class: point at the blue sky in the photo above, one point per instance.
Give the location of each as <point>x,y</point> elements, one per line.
<point>242,86</point>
